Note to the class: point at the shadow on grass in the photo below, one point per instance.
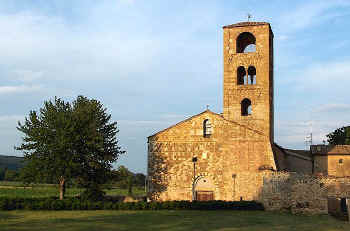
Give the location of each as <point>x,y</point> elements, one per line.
<point>7,216</point>
<point>170,220</point>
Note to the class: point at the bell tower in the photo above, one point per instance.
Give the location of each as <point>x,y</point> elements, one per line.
<point>248,76</point>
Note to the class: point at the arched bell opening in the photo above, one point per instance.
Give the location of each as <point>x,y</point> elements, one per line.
<point>245,43</point>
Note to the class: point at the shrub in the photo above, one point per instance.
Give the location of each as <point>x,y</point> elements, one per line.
<point>79,204</point>
<point>58,205</point>
<point>76,205</point>
<point>93,194</point>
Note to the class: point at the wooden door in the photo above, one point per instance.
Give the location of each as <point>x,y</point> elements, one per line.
<point>204,195</point>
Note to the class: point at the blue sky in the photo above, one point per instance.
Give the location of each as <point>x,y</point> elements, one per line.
<point>154,63</point>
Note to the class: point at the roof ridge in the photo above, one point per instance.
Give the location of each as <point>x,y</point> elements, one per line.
<point>240,24</point>
<point>207,110</point>
<point>182,121</point>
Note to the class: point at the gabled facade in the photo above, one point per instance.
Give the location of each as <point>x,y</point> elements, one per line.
<point>216,156</point>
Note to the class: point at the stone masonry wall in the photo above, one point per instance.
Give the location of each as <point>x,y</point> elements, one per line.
<point>227,159</point>
<point>302,193</point>
<point>332,165</point>
<point>261,93</point>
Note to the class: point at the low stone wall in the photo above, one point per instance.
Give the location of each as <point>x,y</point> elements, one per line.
<point>302,193</point>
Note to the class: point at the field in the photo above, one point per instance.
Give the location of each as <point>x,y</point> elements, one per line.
<point>165,220</point>
<point>148,220</point>
<point>17,189</point>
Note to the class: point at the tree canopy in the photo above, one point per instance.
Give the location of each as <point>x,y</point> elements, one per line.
<point>66,140</point>
<point>339,136</point>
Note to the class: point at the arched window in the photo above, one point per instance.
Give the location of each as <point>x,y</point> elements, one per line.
<point>240,75</point>
<point>246,107</point>
<point>251,75</point>
<point>245,43</point>
<point>206,128</point>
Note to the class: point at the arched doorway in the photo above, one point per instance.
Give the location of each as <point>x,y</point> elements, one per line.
<point>204,189</point>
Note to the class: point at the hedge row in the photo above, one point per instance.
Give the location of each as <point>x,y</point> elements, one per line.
<point>77,204</point>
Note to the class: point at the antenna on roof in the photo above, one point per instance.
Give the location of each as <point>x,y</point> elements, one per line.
<point>308,138</point>
<point>249,16</point>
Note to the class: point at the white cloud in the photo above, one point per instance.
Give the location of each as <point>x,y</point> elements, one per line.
<point>142,59</point>
<point>19,89</point>
<point>330,77</point>
<point>310,13</point>
<point>332,108</point>
<point>7,118</point>
<point>293,133</point>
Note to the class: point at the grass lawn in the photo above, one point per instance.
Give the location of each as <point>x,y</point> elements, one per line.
<point>165,220</point>
<point>18,189</point>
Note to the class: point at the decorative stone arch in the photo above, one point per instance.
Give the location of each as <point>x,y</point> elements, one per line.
<point>204,182</point>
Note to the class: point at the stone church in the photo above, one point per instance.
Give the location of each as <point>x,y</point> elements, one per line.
<point>223,156</point>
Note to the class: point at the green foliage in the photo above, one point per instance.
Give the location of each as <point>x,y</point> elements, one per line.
<point>121,176</point>
<point>14,189</point>
<point>80,204</point>
<point>2,173</point>
<point>11,175</point>
<point>130,180</point>
<point>97,143</point>
<point>140,179</point>
<point>339,136</point>
<point>126,179</point>
<point>47,143</point>
<point>64,141</point>
<point>94,193</point>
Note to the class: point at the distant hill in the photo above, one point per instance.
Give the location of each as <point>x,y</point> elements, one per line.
<point>11,162</point>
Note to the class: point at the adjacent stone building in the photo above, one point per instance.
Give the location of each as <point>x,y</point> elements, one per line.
<point>331,160</point>
<point>227,156</point>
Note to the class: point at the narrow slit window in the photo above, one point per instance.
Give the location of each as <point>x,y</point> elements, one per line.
<point>207,129</point>
<point>251,75</point>
<point>241,73</point>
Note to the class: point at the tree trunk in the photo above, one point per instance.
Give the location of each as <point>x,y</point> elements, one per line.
<point>62,187</point>
<point>130,185</point>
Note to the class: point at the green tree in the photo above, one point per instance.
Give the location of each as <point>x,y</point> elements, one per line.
<point>11,175</point>
<point>130,182</point>
<point>98,144</point>
<point>122,177</point>
<point>339,136</point>
<point>140,179</point>
<point>2,173</point>
<point>66,140</point>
